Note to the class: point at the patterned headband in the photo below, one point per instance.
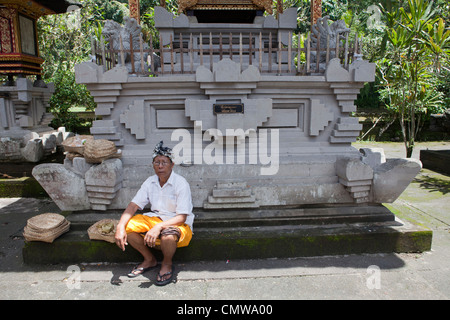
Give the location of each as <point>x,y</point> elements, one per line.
<point>162,151</point>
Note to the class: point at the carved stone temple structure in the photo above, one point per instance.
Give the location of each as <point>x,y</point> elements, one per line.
<point>260,120</point>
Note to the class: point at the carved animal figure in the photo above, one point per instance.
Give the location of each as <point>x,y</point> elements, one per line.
<point>112,31</point>
<point>320,32</point>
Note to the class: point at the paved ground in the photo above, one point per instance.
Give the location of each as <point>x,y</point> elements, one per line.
<point>375,276</point>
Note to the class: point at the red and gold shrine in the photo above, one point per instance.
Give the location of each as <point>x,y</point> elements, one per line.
<point>19,50</point>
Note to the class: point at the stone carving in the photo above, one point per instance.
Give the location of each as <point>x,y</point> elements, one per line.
<point>257,111</point>
<point>229,195</point>
<point>102,183</point>
<point>392,177</point>
<point>114,31</point>
<point>357,177</point>
<point>320,117</point>
<point>133,119</point>
<point>321,31</point>
<point>77,185</point>
<point>66,188</point>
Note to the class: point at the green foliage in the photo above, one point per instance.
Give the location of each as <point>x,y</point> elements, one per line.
<point>416,45</point>
<point>64,41</point>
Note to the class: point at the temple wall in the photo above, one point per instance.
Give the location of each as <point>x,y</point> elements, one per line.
<point>245,134</point>
<point>306,124</point>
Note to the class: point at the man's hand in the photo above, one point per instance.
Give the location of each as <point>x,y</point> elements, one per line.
<point>121,238</point>
<point>152,235</point>
<point>121,234</point>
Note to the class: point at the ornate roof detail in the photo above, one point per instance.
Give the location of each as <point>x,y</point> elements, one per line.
<point>225,5</point>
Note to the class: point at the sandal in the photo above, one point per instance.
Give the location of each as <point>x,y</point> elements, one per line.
<point>138,271</point>
<point>167,281</point>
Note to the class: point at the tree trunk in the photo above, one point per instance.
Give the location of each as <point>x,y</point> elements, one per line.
<point>409,151</point>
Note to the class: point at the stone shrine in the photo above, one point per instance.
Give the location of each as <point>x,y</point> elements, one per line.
<point>261,128</point>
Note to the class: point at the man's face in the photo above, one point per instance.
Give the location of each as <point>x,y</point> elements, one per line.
<point>162,166</point>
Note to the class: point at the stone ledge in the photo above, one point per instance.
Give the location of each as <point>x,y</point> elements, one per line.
<point>254,242</point>
<point>21,187</point>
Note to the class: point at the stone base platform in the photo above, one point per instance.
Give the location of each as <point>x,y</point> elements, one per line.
<point>252,234</point>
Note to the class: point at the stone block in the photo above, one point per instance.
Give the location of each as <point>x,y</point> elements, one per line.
<point>226,193</point>
<point>87,72</point>
<point>353,170</point>
<point>80,166</point>
<point>335,72</point>
<point>106,174</point>
<point>163,18</point>
<point>391,178</point>
<point>372,156</point>
<point>118,74</point>
<point>362,71</point>
<point>33,151</point>
<point>102,183</point>
<point>203,74</point>
<point>49,142</point>
<point>10,148</point>
<point>288,19</point>
<point>320,117</point>
<point>226,71</point>
<point>181,21</point>
<point>347,183</point>
<point>270,22</point>
<point>66,188</point>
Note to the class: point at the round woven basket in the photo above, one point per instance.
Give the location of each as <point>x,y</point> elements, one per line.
<point>103,230</point>
<point>46,221</point>
<point>95,151</point>
<point>76,144</point>
<point>48,236</point>
<point>45,227</point>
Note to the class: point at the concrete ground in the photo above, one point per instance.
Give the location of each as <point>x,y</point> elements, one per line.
<point>367,276</point>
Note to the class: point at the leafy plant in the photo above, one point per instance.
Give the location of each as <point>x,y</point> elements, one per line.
<point>416,44</point>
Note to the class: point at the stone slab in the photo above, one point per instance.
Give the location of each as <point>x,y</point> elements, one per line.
<point>247,243</point>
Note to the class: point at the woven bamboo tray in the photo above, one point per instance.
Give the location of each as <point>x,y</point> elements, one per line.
<point>96,232</point>
<point>45,227</point>
<point>77,143</point>
<point>95,151</point>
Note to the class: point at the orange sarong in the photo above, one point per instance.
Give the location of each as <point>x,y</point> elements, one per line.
<point>141,224</point>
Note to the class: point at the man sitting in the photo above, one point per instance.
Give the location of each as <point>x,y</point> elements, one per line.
<point>169,222</point>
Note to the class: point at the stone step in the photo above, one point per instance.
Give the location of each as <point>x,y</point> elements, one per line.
<point>259,217</point>
<point>218,200</point>
<point>231,193</point>
<point>246,239</point>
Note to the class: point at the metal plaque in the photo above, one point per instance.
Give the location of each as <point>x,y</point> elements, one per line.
<point>228,108</point>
